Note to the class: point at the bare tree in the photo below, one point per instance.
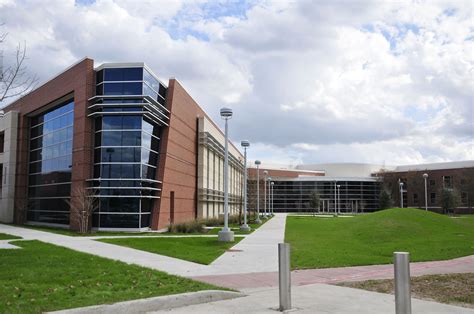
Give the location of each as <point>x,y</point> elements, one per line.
<point>83,203</point>
<point>14,78</point>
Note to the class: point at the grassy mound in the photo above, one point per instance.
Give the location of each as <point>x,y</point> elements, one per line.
<point>372,238</point>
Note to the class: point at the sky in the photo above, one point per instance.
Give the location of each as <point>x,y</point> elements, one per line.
<point>385,82</point>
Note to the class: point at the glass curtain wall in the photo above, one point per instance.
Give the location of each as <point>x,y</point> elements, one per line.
<point>126,147</point>
<point>50,162</point>
<point>354,196</point>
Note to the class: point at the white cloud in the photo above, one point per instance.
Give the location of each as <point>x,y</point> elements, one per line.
<point>309,81</point>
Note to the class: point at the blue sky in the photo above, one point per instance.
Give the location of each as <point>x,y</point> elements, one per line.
<point>309,81</point>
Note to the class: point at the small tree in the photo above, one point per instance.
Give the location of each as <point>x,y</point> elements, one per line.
<point>314,201</point>
<point>450,199</point>
<point>385,199</point>
<point>83,203</point>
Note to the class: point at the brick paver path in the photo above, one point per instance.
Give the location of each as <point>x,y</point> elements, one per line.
<point>341,274</point>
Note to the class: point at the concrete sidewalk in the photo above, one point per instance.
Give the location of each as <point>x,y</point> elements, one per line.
<point>256,253</point>
<point>130,256</point>
<point>340,274</point>
<point>317,298</point>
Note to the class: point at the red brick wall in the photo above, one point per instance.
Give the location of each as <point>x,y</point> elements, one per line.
<point>78,81</point>
<point>415,185</point>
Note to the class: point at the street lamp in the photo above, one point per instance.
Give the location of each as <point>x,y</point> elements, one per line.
<point>265,172</point>
<point>338,198</point>
<point>401,194</point>
<point>335,197</point>
<point>245,145</point>
<point>257,163</point>
<point>425,176</point>
<point>269,180</point>
<point>226,235</point>
<point>271,184</point>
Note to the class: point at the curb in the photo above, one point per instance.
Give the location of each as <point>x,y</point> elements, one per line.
<point>156,303</point>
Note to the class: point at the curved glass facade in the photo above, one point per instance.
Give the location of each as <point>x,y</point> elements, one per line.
<point>128,120</point>
<point>50,162</point>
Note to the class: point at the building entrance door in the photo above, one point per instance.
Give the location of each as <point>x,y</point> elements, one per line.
<point>355,206</point>
<point>324,206</point>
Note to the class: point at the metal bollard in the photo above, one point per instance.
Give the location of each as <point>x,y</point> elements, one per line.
<point>401,263</point>
<point>284,276</point>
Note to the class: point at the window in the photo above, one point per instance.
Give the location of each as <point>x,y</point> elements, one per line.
<point>447,182</point>
<point>433,198</point>
<point>464,199</point>
<point>123,74</point>
<point>432,182</point>
<point>50,165</point>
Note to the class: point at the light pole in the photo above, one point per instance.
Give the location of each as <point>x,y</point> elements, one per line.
<point>271,185</point>
<point>226,235</point>
<point>265,173</point>
<point>425,176</point>
<point>335,197</point>
<point>245,145</point>
<point>401,194</point>
<point>257,163</point>
<point>338,198</point>
<point>269,180</point>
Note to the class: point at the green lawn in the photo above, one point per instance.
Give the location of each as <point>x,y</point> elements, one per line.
<point>73,233</point>
<point>44,277</point>
<point>201,250</point>
<point>372,238</point>
<point>4,236</point>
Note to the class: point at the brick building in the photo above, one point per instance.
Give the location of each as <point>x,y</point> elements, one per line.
<point>145,148</point>
<point>457,176</point>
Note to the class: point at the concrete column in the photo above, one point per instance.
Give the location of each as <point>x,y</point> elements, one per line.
<point>9,126</point>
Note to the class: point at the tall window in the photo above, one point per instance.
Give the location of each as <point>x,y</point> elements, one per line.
<point>128,115</point>
<point>50,162</point>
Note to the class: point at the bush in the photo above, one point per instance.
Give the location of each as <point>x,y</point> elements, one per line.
<point>219,221</point>
<point>187,227</point>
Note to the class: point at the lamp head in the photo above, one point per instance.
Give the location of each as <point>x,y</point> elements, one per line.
<point>425,175</point>
<point>265,172</point>
<point>272,183</point>
<point>226,113</point>
<point>338,186</point>
<point>257,162</point>
<point>245,143</point>
<point>401,183</point>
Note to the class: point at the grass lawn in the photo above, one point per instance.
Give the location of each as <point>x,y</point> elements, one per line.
<point>4,236</point>
<point>44,277</point>
<point>202,250</point>
<point>456,289</point>
<point>72,233</point>
<point>372,238</point>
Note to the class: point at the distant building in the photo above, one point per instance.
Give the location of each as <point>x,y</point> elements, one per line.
<point>458,176</point>
<point>145,147</point>
<point>360,186</point>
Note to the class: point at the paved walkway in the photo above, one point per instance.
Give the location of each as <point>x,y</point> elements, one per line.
<point>256,253</point>
<point>317,299</point>
<point>340,274</point>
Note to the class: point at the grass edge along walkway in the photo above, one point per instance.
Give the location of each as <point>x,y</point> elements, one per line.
<point>371,239</point>
<point>5,236</point>
<point>202,250</point>
<point>44,277</point>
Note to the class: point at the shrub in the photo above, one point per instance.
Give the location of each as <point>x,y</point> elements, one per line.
<point>187,227</point>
